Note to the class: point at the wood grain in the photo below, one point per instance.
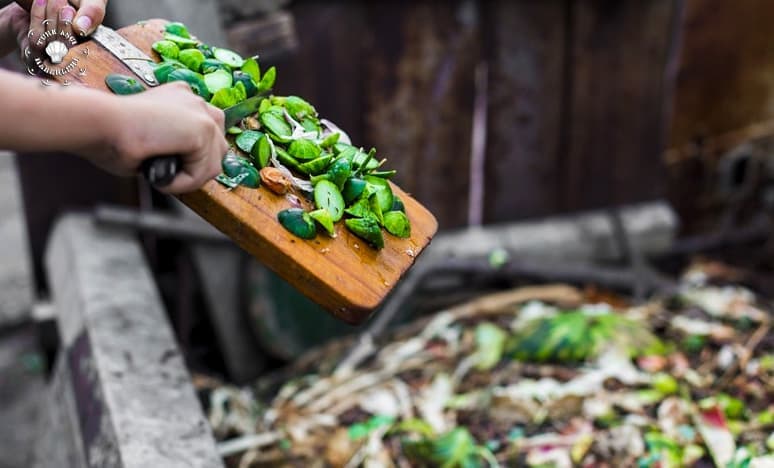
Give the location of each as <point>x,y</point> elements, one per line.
<point>344,275</point>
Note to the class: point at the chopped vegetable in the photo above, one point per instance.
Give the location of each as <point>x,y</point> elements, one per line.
<point>297,222</point>
<point>122,84</point>
<point>285,145</point>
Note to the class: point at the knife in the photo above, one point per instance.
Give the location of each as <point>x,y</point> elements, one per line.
<point>161,170</point>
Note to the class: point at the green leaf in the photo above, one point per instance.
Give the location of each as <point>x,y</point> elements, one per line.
<point>456,448</point>
<point>490,343</point>
<point>576,336</point>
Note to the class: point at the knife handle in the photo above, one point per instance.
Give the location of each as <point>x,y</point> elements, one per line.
<point>161,170</point>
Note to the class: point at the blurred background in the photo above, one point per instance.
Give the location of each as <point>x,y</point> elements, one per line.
<point>500,114</point>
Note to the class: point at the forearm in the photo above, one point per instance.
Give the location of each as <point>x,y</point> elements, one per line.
<point>52,118</point>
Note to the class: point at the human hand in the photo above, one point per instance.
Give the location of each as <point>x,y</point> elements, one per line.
<point>168,120</point>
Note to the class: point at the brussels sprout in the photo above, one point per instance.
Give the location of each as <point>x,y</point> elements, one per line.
<point>304,149</point>
<point>167,49</point>
<point>178,29</point>
<point>228,97</point>
<point>192,59</point>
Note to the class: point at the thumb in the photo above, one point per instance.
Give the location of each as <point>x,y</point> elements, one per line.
<point>90,15</point>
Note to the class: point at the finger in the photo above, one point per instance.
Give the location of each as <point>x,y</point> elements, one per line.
<point>37,17</point>
<point>52,13</point>
<point>90,15</point>
<point>217,115</point>
<point>65,22</point>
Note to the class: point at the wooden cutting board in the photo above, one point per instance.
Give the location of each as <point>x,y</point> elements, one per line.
<point>344,275</point>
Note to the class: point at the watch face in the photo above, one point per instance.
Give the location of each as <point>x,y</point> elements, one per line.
<point>49,54</point>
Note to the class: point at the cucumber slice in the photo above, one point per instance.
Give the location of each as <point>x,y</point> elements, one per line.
<point>397,224</point>
<point>298,223</point>
<point>324,218</point>
<point>182,42</point>
<point>250,87</point>
<point>247,139</point>
<point>316,166</point>
<point>327,196</point>
<point>211,64</point>
<point>382,190</point>
<point>366,229</point>
<point>217,80</point>
<point>229,57</point>
<point>194,80</point>
<point>123,85</point>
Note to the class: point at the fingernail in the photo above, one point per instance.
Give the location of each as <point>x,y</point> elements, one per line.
<point>40,2</point>
<point>84,24</point>
<point>67,14</point>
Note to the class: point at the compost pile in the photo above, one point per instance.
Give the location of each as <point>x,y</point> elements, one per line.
<point>541,376</point>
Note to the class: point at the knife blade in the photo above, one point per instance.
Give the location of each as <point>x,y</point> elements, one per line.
<point>235,114</point>
<point>135,59</point>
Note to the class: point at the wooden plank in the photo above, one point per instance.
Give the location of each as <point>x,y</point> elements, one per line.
<point>420,89</point>
<point>617,101</point>
<point>525,44</point>
<point>726,70</point>
<point>343,275</point>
